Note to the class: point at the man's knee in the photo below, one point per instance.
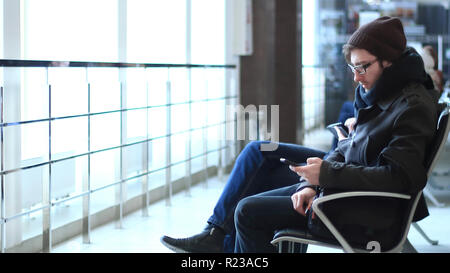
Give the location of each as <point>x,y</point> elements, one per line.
<point>244,209</point>
<point>261,146</point>
<point>252,149</point>
<point>254,145</point>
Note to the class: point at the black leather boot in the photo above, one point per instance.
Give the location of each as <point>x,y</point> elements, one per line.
<point>208,241</point>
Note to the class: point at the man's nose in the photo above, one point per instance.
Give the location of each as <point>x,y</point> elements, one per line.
<point>357,77</point>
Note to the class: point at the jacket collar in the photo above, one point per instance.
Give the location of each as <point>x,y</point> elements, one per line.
<point>408,69</point>
<point>385,102</point>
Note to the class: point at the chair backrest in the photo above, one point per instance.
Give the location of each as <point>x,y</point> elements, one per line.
<point>431,158</point>
<point>438,143</point>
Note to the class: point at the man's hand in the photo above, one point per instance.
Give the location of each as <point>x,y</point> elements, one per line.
<point>309,172</point>
<point>302,200</point>
<point>350,124</point>
<point>339,133</point>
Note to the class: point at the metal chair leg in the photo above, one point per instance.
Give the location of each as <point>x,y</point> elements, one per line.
<point>433,199</point>
<point>424,235</point>
<point>408,247</point>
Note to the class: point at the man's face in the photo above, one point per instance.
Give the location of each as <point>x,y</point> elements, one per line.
<point>366,67</point>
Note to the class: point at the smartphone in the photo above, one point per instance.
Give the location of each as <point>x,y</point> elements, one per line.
<point>288,162</point>
<point>340,126</point>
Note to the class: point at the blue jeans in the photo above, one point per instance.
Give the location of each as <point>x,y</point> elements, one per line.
<point>254,172</point>
<point>258,216</point>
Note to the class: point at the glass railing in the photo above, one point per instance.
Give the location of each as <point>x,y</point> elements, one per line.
<point>86,142</point>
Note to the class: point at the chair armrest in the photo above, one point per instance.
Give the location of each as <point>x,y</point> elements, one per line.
<point>315,206</point>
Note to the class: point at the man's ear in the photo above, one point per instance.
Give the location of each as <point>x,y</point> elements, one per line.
<point>386,63</point>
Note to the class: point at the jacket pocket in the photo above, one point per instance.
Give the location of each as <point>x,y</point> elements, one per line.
<point>355,150</point>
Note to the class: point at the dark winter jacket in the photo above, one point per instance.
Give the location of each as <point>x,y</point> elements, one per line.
<point>395,123</point>
<point>386,150</point>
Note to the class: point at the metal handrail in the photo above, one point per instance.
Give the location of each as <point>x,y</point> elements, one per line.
<point>7,124</point>
<point>51,63</point>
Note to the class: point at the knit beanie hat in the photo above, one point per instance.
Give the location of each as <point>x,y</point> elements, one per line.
<point>383,38</point>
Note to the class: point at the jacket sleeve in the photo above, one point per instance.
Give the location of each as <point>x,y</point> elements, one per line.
<point>305,184</point>
<point>400,164</point>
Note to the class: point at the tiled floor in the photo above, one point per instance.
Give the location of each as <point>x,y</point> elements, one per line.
<point>187,216</point>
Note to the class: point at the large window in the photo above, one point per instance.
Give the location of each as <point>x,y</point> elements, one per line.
<point>82,30</point>
<point>313,73</point>
<point>156,31</point>
<point>208,28</point>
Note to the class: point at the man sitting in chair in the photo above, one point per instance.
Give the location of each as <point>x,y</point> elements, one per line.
<point>396,113</point>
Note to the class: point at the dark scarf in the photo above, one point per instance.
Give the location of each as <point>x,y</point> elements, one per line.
<point>409,68</point>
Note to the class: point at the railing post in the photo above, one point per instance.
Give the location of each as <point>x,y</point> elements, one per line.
<point>220,170</point>
<point>205,132</point>
<point>119,187</point>
<point>86,229</point>
<point>145,193</point>
<point>47,186</point>
<point>228,140</point>
<point>2,185</point>
<point>168,185</point>
<point>188,177</point>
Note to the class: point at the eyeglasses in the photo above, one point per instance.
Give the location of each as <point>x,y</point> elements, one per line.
<point>362,68</point>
